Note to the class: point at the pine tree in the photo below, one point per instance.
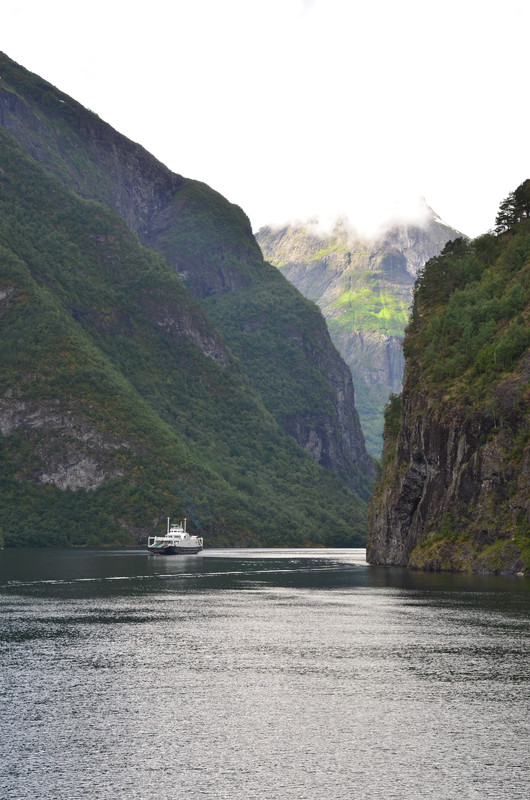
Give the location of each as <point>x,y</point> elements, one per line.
<point>514,208</point>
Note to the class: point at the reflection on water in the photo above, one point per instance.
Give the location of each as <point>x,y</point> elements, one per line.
<point>259,674</point>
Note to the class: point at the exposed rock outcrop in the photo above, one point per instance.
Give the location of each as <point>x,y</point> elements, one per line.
<point>99,163</point>
<point>334,439</point>
<point>454,474</point>
<point>144,185</point>
<point>70,452</point>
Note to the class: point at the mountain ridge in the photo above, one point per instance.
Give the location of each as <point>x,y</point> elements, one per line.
<point>207,240</point>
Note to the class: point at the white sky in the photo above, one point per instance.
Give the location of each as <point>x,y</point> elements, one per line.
<point>292,108</point>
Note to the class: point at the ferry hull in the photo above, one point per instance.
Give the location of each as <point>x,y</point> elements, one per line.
<point>171,550</point>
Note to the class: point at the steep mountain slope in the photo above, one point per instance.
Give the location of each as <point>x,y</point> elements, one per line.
<point>281,342</point>
<point>455,488</point>
<point>364,289</point>
<point>120,403</point>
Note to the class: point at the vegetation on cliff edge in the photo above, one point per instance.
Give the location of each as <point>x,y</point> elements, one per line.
<point>467,357</point>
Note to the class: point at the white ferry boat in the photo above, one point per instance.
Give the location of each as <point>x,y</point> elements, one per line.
<point>176,541</point>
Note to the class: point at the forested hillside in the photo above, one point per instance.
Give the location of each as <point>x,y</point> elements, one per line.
<point>455,488</point>
<point>280,339</point>
<point>120,400</point>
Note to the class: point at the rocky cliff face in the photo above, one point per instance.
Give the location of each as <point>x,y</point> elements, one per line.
<point>364,289</point>
<point>207,240</point>
<point>454,496</point>
<point>69,451</point>
<point>144,187</point>
<point>333,439</point>
<point>99,163</point>
<point>454,493</point>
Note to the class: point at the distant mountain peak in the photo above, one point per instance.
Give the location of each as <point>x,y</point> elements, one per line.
<point>364,287</point>
<point>349,229</point>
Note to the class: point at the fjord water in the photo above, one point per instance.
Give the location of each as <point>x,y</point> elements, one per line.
<point>259,674</point>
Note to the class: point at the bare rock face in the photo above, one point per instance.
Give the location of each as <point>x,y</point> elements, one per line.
<point>178,323</point>
<point>145,185</point>
<point>334,439</point>
<point>379,355</point>
<point>156,204</point>
<point>456,492</point>
<point>70,452</point>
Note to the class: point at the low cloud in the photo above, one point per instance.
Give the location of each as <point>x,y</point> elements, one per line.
<point>365,220</point>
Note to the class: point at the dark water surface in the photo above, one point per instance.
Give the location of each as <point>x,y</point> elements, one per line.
<point>292,675</point>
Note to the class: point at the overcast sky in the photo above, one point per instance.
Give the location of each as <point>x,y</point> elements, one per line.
<point>293,108</point>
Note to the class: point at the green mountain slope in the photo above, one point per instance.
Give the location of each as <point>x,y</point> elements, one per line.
<point>120,403</point>
<point>455,488</point>
<point>282,344</point>
<point>364,289</point>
